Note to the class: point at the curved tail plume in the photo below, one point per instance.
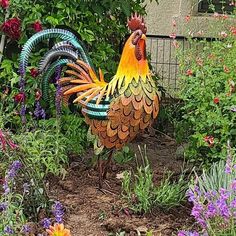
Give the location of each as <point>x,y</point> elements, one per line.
<point>65,35</point>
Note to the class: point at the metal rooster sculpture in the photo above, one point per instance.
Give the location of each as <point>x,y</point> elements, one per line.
<point>115,111</point>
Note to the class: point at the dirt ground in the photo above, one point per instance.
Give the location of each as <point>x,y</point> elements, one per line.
<point>90,212</point>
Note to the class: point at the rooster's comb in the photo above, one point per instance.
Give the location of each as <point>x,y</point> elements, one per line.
<point>136,22</point>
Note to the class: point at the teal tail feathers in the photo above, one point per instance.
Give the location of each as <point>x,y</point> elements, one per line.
<point>65,35</point>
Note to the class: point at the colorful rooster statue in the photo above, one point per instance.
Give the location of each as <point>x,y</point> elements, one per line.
<point>115,111</point>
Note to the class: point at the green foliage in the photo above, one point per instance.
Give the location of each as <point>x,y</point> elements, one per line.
<point>220,175</point>
<point>72,127</point>
<point>141,194</point>
<point>208,91</point>
<point>124,156</point>
<point>44,151</point>
<point>170,194</point>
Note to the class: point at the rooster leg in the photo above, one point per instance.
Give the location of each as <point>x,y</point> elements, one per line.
<point>100,172</point>
<point>107,165</point>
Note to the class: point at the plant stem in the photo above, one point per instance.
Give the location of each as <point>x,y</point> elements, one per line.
<point>3,39</point>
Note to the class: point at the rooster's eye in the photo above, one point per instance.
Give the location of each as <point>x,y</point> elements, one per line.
<point>137,35</point>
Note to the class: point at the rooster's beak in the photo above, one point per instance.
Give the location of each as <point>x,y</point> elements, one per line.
<point>143,37</point>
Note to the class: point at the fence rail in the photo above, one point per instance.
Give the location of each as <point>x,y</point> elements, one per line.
<point>164,60</point>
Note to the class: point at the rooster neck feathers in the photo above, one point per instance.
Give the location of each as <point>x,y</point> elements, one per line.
<point>133,62</point>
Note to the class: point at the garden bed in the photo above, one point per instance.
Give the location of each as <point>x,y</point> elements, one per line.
<point>92,212</point>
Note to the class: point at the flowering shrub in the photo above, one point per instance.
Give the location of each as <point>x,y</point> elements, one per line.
<point>213,195</point>
<point>12,28</point>
<point>208,72</point>
<point>12,219</point>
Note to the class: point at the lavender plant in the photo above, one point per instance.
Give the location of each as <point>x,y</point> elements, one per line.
<point>58,215</point>
<point>12,219</point>
<point>213,195</point>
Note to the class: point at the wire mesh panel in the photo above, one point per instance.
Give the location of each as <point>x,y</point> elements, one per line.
<point>162,52</point>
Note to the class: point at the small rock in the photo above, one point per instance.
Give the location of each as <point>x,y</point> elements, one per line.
<point>67,185</point>
<point>142,229</point>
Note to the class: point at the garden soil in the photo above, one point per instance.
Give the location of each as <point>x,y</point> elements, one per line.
<point>91,212</point>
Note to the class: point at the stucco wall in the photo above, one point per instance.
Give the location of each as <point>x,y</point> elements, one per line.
<point>159,22</point>
<point>160,16</point>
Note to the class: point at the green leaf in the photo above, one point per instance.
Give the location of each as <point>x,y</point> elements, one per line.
<point>125,5</point>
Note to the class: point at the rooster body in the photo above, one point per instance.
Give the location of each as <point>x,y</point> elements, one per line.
<point>116,111</point>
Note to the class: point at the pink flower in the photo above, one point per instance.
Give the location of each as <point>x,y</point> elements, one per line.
<point>216,14</point>
<point>34,72</point>
<point>187,18</point>
<point>4,4</point>
<point>199,61</point>
<point>189,72</point>
<point>200,32</point>
<point>174,23</point>
<point>233,3</point>
<point>38,94</point>
<point>233,30</point>
<point>223,34</point>
<point>172,35</point>
<point>216,100</point>
<point>209,140</point>
<point>37,26</point>
<point>6,141</point>
<point>226,69</point>
<point>175,44</point>
<point>19,98</point>
<point>224,16</point>
<point>12,28</point>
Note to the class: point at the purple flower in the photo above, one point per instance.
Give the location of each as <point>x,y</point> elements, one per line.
<point>8,230</point>
<point>15,166</point>
<point>22,84</point>
<point>46,223</point>
<point>211,210</point>
<point>233,203</point>
<point>26,229</point>
<point>3,206</point>
<point>233,186</point>
<point>224,194</point>
<point>202,222</point>
<point>228,166</point>
<point>223,208</point>
<point>182,233</point>
<point>197,210</point>
<point>187,233</point>
<point>58,212</point>
<point>197,190</point>
<point>190,195</point>
<point>39,111</point>
<point>6,188</point>
<point>22,113</point>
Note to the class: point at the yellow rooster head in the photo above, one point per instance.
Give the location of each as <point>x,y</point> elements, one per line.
<point>133,62</point>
